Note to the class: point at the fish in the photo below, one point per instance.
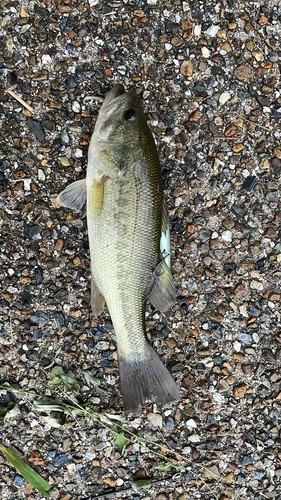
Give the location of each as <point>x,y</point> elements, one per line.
<point>129,239</point>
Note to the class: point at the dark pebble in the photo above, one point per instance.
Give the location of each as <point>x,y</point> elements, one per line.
<point>253,88</point>
<point>165,331</point>
<point>4,303</point>
<point>52,453</point>
<point>25,88</point>
<point>38,275</point>
<point>61,459</point>
<point>59,318</point>
<point>48,125</point>
<point>170,424</point>
<point>40,318</point>
<point>181,299</point>
<point>106,362</point>
<point>36,129</point>
<point>84,31</point>
<point>18,480</point>
<point>253,310</point>
<point>5,164</point>
<point>90,343</point>
<point>37,334</point>
<point>72,50</point>
<point>70,82</point>
<point>273,57</point>
<point>276,113</point>
<point>229,266</point>
<point>242,94</point>
<point>247,460</point>
<point>249,183</point>
<point>3,332</point>
<point>30,231</point>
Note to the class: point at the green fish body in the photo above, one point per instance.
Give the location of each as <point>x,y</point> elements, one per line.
<point>129,240</point>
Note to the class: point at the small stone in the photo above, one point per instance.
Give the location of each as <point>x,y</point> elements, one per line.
<point>239,390</point>
<point>30,231</point>
<point>229,478</point>
<point>18,480</point>
<point>258,55</point>
<point>46,59</point>
<point>244,337</point>
<point>64,161</point>
<point>176,41</point>
<point>237,148</point>
<point>256,285</point>
<point>155,419</point>
<point>40,318</point>
<point>230,130</point>
<point>224,97</point>
<point>186,68</point>
<point>274,297</point>
<point>212,472</point>
<point>205,52</point>
<point>36,129</point>
<point>59,245</point>
<point>229,223</point>
<point>71,82</point>
<point>102,345</point>
<point>77,261</point>
<point>227,236</point>
<point>60,460</point>
<point>59,318</point>
<point>243,73</point>
<point>191,423</point>
<point>195,116</point>
<point>249,183</point>
<point>212,31</point>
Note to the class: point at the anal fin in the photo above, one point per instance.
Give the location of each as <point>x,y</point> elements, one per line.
<point>162,293</point>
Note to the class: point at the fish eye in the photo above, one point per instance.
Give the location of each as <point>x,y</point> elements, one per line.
<point>130,115</point>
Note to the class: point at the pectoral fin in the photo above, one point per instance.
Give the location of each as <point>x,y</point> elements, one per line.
<point>97,299</point>
<point>96,195</point>
<point>163,293</point>
<point>74,195</point>
<point>165,241</point>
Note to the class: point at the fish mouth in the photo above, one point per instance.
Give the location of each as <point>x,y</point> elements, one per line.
<point>113,94</point>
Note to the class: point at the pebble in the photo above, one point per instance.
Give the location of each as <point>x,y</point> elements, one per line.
<point>227,236</point>
<point>191,423</point>
<point>224,97</point>
<point>244,337</point>
<point>155,419</point>
<point>40,318</point>
<point>30,231</point>
<point>256,285</point>
<point>18,480</point>
<point>36,129</point>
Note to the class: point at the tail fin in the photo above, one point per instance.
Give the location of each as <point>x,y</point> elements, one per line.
<point>145,379</point>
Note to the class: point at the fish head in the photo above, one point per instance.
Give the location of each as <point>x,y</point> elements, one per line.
<point>120,119</point>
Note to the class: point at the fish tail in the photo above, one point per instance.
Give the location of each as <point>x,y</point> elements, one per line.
<point>145,379</point>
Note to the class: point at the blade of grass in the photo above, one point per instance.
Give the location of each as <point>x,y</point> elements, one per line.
<point>27,472</point>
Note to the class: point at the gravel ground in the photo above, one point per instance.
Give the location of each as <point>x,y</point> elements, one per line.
<point>207,74</point>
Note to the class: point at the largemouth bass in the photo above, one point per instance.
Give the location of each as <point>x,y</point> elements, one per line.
<point>129,240</point>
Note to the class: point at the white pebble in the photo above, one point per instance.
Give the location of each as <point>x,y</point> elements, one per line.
<point>78,153</point>
<point>256,285</point>
<point>227,235</point>
<point>41,175</point>
<point>46,59</point>
<point>102,345</point>
<point>212,31</point>
<point>205,52</point>
<point>197,30</point>
<point>76,107</point>
<point>224,97</point>
<point>155,419</point>
<point>191,423</point>
<point>237,346</point>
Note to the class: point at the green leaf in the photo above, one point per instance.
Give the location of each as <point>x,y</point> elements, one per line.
<point>3,412</point>
<point>70,382</point>
<point>27,472</point>
<point>6,387</point>
<point>47,404</point>
<point>121,442</point>
<point>141,484</point>
<point>56,372</point>
<point>13,412</point>
<point>163,467</point>
<point>90,377</point>
<point>51,421</point>
<point>54,383</point>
